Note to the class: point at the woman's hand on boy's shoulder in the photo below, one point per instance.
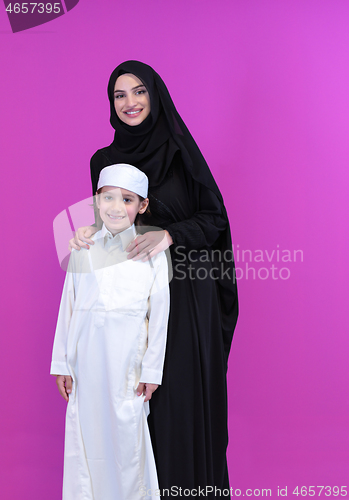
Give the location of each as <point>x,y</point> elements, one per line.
<point>146,389</point>
<point>82,238</point>
<point>149,244</point>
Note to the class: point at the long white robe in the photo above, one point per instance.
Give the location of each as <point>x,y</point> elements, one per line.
<point>111,334</point>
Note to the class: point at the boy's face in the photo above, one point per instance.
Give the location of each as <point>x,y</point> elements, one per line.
<point>118,208</point>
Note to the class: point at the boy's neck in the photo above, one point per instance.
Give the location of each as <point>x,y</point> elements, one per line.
<point>117,232</point>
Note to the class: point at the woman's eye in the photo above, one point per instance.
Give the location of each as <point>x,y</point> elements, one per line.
<point>119,96</point>
<point>141,92</point>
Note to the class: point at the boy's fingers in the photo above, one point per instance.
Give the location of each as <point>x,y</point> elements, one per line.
<point>59,382</point>
<point>64,395</point>
<point>148,394</point>
<point>140,388</point>
<point>61,388</point>
<point>68,384</point>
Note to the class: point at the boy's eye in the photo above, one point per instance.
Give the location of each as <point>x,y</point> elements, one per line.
<point>107,198</point>
<point>127,200</point>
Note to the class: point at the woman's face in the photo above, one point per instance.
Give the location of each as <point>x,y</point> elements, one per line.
<point>131,99</point>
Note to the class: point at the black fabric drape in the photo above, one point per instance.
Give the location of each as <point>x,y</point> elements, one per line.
<point>188,420</point>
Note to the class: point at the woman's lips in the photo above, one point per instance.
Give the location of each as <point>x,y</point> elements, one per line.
<point>133,112</point>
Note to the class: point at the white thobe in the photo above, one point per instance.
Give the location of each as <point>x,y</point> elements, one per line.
<point>111,335</point>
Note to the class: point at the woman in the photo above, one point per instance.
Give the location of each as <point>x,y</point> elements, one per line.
<point>188,413</point>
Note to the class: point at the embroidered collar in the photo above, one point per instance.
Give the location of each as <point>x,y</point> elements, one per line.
<point>125,237</point>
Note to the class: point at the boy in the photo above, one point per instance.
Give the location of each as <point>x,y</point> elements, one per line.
<point>109,350</point>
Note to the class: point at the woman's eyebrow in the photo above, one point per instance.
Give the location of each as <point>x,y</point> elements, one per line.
<point>133,88</point>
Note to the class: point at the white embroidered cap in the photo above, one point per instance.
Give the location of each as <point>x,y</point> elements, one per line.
<point>126,177</point>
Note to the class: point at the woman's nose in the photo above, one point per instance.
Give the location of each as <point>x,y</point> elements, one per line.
<point>131,100</point>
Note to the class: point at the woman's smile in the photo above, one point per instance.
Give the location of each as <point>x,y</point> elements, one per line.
<point>133,113</point>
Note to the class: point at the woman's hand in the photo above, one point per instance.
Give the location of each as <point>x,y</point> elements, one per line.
<point>149,244</point>
<point>65,385</point>
<point>146,389</point>
<point>82,238</point>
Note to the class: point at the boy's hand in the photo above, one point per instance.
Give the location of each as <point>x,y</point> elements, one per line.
<point>146,389</point>
<point>65,385</point>
<point>82,238</point>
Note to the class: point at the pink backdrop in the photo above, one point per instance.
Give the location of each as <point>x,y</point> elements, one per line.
<point>263,87</point>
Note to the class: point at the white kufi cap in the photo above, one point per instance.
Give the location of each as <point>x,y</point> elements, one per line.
<point>126,177</point>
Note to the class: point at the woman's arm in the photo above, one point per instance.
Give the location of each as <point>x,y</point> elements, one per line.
<point>199,231</point>
<point>204,227</point>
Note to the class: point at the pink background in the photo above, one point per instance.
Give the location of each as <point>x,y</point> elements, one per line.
<point>263,87</point>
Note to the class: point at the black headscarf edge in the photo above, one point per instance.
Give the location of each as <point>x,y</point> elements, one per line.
<point>163,108</point>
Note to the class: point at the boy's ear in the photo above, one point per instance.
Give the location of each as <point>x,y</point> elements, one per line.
<point>97,199</point>
<point>144,205</point>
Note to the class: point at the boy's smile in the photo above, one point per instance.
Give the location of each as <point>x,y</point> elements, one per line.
<point>119,207</point>
<point>113,217</point>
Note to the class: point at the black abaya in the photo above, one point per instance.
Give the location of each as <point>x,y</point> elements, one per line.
<point>188,419</point>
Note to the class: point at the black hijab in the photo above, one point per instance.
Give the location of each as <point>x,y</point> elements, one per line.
<point>151,147</point>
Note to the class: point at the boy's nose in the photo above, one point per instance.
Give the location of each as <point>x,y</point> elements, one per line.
<point>118,206</point>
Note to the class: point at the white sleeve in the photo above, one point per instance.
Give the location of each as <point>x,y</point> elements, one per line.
<point>59,354</point>
<point>158,311</point>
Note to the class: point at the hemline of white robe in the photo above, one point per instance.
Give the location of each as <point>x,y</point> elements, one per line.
<point>111,331</point>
